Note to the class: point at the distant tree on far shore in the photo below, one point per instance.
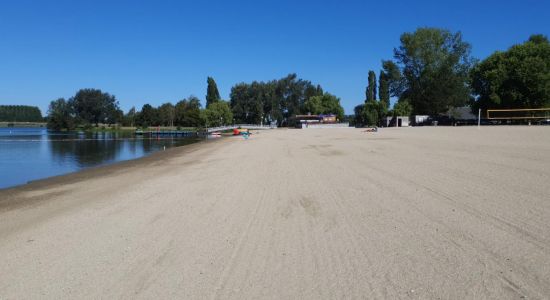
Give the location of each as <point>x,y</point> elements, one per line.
<point>167,114</point>
<point>212,93</point>
<point>188,112</point>
<point>20,113</point>
<point>130,117</point>
<point>86,107</point>
<point>516,78</point>
<point>148,116</point>
<point>92,106</point>
<point>61,115</point>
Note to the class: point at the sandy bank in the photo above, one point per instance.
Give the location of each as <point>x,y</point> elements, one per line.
<point>321,213</point>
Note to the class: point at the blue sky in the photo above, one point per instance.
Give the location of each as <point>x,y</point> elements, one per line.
<point>159,51</point>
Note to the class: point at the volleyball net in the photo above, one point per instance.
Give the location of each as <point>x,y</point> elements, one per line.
<point>519,114</point>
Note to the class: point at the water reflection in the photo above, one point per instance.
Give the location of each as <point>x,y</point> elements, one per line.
<point>29,154</point>
<point>87,152</point>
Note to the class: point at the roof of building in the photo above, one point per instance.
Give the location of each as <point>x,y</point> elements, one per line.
<point>315,116</point>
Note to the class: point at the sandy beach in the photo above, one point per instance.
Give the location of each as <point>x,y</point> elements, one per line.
<point>405,213</point>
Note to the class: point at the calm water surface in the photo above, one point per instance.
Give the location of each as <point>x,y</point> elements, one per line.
<point>28,154</point>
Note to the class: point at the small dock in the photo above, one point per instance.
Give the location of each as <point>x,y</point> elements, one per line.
<point>241,126</point>
<point>167,133</point>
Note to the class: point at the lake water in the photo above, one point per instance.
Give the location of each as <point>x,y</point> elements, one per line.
<point>33,153</point>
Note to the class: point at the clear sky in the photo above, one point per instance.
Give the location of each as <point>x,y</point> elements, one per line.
<point>159,51</point>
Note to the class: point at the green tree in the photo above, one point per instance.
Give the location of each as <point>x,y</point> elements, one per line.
<point>130,117</point>
<point>166,114</point>
<point>114,116</point>
<point>217,114</point>
<point>93,106</point>
<point>60,115</point>
<point>371,113</point>
<point>212,93</point>
<point>402,108</point>
<point>371,88</point>
<point>20,113</point>
<point>393,77</point>
<point>359,115</point>
<point>275,100</point>
<point>314,105</point>
<point>148,116</point>
<point>325,104</point>
<point>435,65</point>
<point>516,78</point>
<point>188,112</point>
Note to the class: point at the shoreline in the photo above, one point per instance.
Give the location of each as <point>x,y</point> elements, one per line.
<point>8,195</point>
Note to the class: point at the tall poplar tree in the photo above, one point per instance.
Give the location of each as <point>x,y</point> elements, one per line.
<point>384,89</point>
<point>212,93</point>
<point>371,88</point>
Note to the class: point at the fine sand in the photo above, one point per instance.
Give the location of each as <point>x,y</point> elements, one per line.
<point>421,213</point>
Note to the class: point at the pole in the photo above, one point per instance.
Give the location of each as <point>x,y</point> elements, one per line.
<point>479,118</point>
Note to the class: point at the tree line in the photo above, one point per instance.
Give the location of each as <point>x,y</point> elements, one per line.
<point>20,113</point>
<point>280,100</point>
<point>253,103</point>
<point>433,70</point>
<point>91,107</point>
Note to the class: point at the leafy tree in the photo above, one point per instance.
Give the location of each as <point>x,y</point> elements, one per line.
<point>393,77</point>
<point>402,108</point>
<point>217,114</point>
<point>239,99</point>
<point>130,118</point>
<point>371,88</point>
<point>20,113</point>
<point>325,104</point>
<point>115,116</point>
<point>212,93</point>
<point>314,105</point>
<point>166,114</point>
<point>370,113</point>
<point>359,115</point>
<point>60,115</point>
<point>435,64</point>
<point>188,112</point>
<point>276,100</point>
<point>148,116</point>
<point>94,107</point>
<point>516,78</point>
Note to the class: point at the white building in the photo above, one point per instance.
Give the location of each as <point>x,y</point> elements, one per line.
<point>399,121</point>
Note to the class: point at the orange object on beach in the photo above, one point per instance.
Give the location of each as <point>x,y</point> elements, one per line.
<point>239,131</point>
